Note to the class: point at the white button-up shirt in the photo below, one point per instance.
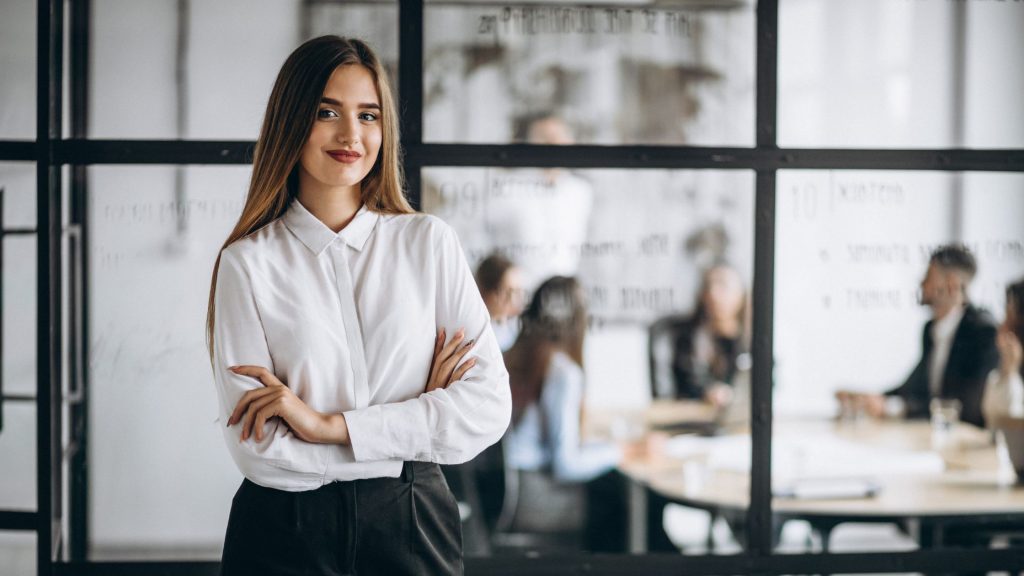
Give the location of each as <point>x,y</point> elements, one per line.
<point>348,321</point>
<point>943,333</point>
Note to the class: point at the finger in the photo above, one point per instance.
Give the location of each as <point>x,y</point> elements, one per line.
<point>448,366</point>
<point>461,371</point>
<point>243,404</point>
<point>453,344</point>
<point>265,376</point>
<point>250,414</point>
<point>262,416</point>
<point>438,344</point>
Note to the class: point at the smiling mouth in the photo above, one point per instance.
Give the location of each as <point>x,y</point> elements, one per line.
<point>344,156</point>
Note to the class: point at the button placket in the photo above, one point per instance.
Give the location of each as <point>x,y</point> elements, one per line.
<point>353,329</point>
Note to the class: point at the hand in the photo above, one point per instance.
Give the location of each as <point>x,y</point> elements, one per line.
<point>1010,354</point>
<point>718,395</point>
<point>852,403</point>
<point>446,358</point>
<point>650,448</point>
<point>277,400</point>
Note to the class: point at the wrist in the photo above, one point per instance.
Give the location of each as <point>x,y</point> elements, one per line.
<point>335,429</point>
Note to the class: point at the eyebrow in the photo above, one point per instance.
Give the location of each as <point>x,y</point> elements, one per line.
<point>334,102</point>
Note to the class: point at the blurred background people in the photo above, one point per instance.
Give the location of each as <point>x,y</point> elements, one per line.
<point>544,442</point>
<point>707,347</point>
<point>501,285</point>
<point>539,218</point>
<point>958,346</point>
<point>1004,391</point>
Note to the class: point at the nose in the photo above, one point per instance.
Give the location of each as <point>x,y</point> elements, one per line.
<point>348,130</point>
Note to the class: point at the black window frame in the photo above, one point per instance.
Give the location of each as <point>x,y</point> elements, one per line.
<point>50,152</point>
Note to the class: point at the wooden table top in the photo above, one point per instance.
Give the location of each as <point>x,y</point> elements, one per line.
<point>964,479</point>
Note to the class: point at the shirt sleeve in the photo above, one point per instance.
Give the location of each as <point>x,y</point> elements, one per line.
<point>571,460</point>
<point>280,460</point>
<point>447,425</point>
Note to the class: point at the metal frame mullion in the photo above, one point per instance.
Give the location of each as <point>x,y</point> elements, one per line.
<point>410,92</point>
<point>78,530</point>
<point>17,151</point>
<point>939,561</point>
<point>759,512</point>
<point>49,63</point>
<point>80,151</point>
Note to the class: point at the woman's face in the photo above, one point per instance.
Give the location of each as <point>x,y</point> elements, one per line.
<point>345,140</point>
<point>723,296</point>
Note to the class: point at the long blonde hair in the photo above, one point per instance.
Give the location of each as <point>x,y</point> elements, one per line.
<point>291,110</point>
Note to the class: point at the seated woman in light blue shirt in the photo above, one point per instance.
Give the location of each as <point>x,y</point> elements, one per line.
<point>547,382</point>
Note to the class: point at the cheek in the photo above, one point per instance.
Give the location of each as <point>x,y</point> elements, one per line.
<point>373,141</point>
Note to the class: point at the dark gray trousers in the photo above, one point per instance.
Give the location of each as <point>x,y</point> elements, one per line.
<point>393,526</point>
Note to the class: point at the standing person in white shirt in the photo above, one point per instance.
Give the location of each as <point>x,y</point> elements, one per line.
<point>1004,391</point>
<point>351,350</point>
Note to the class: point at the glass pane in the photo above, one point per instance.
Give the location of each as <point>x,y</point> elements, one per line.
<point>225,78</point>
<point>880,327</point>
<point>927,74</point>
<point>19,315</point>
<point>18,69</point>
<point>640,259</point>
<point>18,549</point>
<point>18,182</point>
<point>152,227</point>
<point>642,73</point>
<point>18,456</point>
<point>17,186</point>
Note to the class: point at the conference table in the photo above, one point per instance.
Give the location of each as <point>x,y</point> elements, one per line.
<point>835,471</point>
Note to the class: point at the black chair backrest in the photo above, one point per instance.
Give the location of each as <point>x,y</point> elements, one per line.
<point>662,335</point>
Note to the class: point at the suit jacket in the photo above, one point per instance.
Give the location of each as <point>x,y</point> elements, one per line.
<point>972,356</point>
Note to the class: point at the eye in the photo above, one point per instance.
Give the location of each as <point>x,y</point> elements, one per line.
<point>368,116</point>
<point>326,113</point>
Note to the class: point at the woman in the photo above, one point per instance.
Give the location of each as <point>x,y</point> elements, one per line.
<point>1004,391</point>
<point>501,286</point>
<point>711,346</point>
<point>324,301</point>
<point>544,443</point>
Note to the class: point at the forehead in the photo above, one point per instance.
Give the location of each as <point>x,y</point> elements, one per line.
<point>352,84</point>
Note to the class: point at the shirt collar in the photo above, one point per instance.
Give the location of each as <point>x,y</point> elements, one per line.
<point>317,236</point>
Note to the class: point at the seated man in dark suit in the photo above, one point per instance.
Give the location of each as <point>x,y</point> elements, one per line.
<point>959,345</point>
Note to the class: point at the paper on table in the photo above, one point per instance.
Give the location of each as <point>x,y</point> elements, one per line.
<point>796,456</point>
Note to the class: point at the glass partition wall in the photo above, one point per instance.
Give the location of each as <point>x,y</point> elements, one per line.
<point>819,150</point>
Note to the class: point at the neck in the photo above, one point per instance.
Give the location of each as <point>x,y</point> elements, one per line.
<point>940,312</point>
<point>728,327</point>
<point>335,207</point>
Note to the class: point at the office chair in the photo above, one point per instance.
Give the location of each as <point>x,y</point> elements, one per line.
<point>515,532</point>
<point>661,342</point>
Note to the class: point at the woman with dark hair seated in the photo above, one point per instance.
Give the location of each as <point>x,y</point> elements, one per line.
<point>544,442</point>
<point>711,347</point>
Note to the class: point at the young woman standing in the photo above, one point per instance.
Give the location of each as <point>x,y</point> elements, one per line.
<point>351,349</point>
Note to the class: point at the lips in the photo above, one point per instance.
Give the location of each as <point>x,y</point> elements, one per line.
<point>345,156</point>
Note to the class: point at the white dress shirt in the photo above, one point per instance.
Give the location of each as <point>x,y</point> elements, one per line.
<point>943,332</point>
<point>348,321</point>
